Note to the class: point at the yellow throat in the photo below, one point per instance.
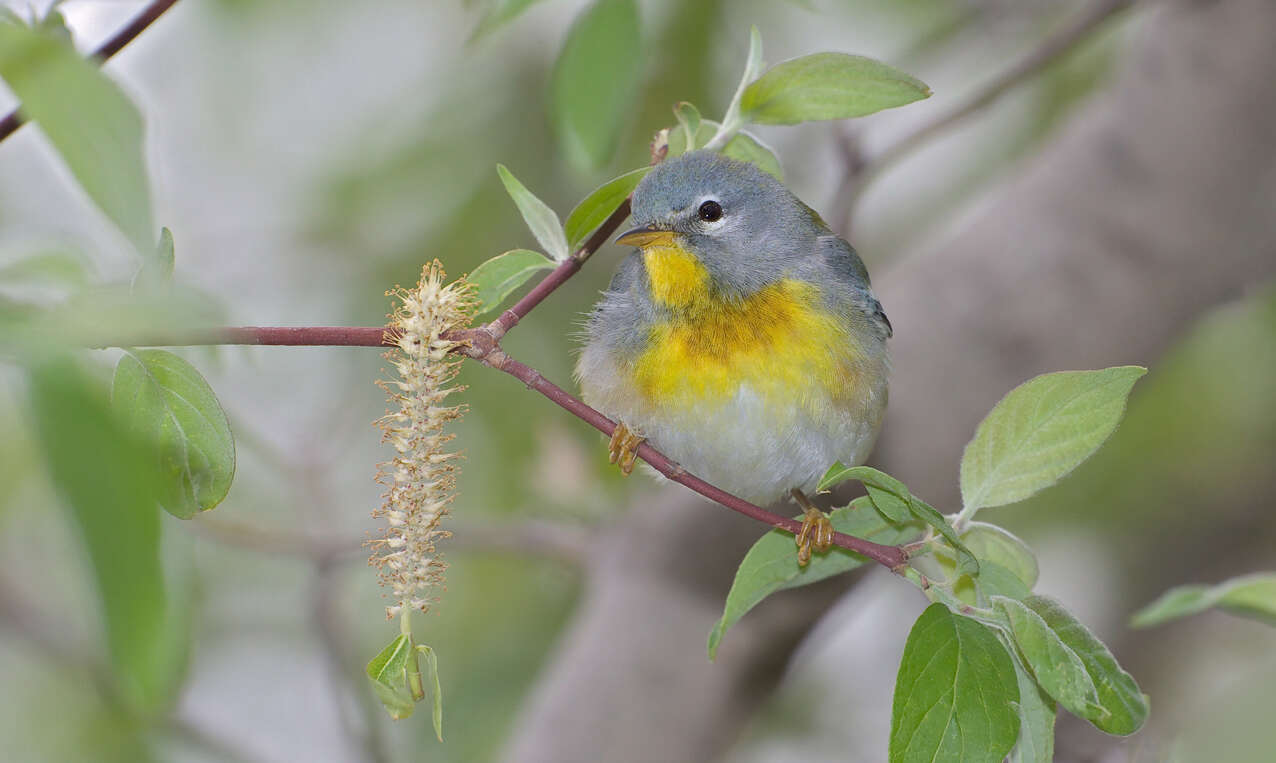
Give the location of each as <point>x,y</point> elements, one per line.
<point>780,341</point>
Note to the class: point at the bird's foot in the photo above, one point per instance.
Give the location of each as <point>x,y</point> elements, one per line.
<point>623,447</point>
<point>817,529</point>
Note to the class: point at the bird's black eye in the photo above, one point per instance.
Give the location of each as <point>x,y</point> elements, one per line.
<point>710,211</point>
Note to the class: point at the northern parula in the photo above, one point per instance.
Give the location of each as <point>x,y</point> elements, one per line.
<point>742,338</point>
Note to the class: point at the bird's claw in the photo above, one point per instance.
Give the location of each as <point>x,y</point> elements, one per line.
<point>816,532</point>
<point>622,449</point>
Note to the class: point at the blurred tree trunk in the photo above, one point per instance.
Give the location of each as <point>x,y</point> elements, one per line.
<point>1152,206</point>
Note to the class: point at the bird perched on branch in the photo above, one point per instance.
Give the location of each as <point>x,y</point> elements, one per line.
<point>742,338</point>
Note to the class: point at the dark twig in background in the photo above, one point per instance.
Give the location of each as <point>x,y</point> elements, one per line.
<point>140,22</point>
<point>860,171</point>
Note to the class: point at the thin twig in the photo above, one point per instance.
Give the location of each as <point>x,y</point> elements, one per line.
<point>1053,47</point>
<point>141,21</point>
<point>481,344</point>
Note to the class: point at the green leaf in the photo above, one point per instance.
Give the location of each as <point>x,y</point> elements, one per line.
<point>688,117</point>
<point>990,543</point>
<point>1057,668</point>
<point>542,220</point>
<point>743,146</point>
<point>164,400</point>
<point>436,689</point>
<point>731,119</point>
<point>893,499</point>
<point>599,204</point>
<point>388,672</point>
<point>596,80</point>
<point>1251,596</point>
<point>158,270</point>
<point>1123,707</point>
<point>955,695</point>
<point>497,278</point>
<point>500,13</point>
<point>771,564</point>
<point>1041,431</point>
<point>747,148</point>
<point>888,494</point>
<point>88,120</point>
<point>1036,720</point>
<point>827,86</point>
<point>109,481</point>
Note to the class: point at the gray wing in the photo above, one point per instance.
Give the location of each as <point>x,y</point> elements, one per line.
<point>840,258</point>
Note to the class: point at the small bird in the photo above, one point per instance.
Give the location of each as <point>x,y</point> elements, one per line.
<point>742,338</point>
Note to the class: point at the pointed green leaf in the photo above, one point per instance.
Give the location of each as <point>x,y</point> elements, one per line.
<point>1036,720</point>
<point>497,278</point>
<point>436,688</point>
<point>827,86</point>
<point>731,119</point>
<point>1251,596</point>
<point>688,117</point>
<point>108,480</point>
<point>1123,707</point>
<point>157,270</point>
<point>596,80</point>
<point>599,204</point>
<point>1057,668</point>
<point>498,14</point>
<point>955,695</point>
<point>771,564</point>
<point>888,494</point>
<point>748,148</point>
<point>1040,431</point>
<point>388,674</point>
<point>542,220</point>
<point>88,120</point>
<point>165,401</point>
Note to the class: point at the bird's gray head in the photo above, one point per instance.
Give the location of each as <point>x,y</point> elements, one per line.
<point>742,224</point>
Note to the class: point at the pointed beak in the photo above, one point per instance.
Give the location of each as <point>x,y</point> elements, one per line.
<point>646,236</point>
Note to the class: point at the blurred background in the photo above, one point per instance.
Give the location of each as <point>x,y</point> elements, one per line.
<point>1115,204</point>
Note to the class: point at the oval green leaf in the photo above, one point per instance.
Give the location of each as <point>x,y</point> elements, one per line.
<point>540,219</point>
<point>164,400</point>
<point>955,694</point>
<point>1251,596</point>
<point>89,121</point>
<point>595,81</point>
<point>994,544</point>
<point>771,564</point>
<point>497,278</point>
<point>1123,707</point>
<point>1040,431</point>
<point>827,86</point>
<point>599,204</point>
<point>1058,669</point>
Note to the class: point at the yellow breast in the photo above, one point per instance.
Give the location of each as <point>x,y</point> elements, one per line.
<point>780,342</point>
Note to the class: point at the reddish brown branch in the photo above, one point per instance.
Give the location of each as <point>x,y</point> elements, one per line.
<point>104,51</point>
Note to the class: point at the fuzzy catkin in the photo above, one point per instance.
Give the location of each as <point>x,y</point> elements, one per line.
<point>421,478</point>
